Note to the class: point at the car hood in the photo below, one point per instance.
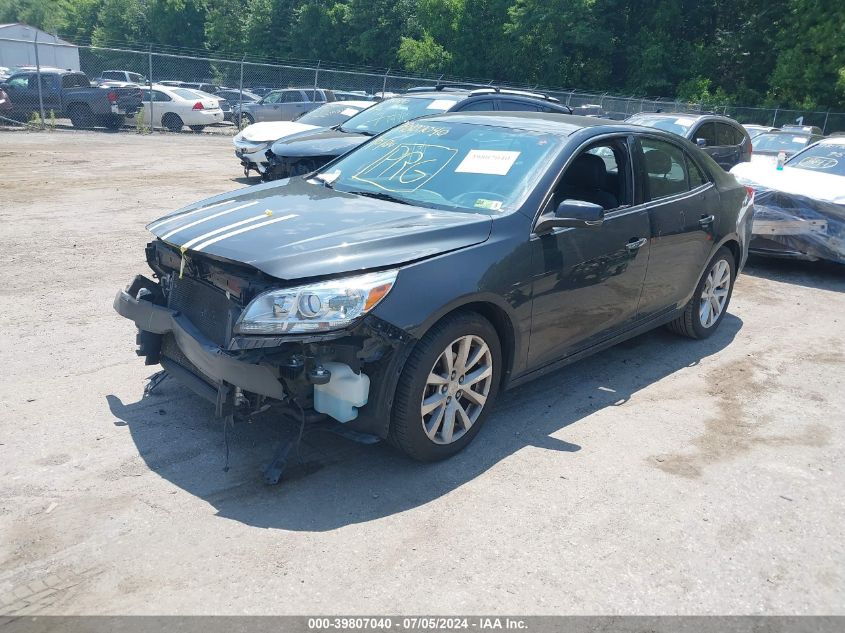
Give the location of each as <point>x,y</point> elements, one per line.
<point>293,229</point>
<point>805,182</point>
<point>272,131</point>
<point>331,142</point>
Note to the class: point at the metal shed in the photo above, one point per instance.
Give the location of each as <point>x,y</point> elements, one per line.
<point>17,48</point>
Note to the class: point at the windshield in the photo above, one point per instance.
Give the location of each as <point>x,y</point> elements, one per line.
<point>391,112</point>
<point>329,115</point>
<point>444,165</point>
<point>780,142</point>
<point>827,158</point>
<point>676,124</point>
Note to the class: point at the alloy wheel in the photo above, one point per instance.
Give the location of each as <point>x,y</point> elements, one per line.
<point>714,295</point>
<point>456,389</point>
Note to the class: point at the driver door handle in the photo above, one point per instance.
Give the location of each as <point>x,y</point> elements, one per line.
<point>706,220</point>
<point>635,245</point>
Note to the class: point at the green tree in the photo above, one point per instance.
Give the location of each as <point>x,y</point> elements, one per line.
<point>423,55</point>
<point>810,65</point>
<point>559,42</point>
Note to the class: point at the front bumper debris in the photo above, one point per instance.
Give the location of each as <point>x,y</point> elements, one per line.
<point>210,359</point>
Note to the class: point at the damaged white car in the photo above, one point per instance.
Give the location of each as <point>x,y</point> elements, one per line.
<point>799,210</point>
<point>253,141</point>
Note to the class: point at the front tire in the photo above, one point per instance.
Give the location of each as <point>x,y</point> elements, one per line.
<point>709,304</point>
<point>447,388</point>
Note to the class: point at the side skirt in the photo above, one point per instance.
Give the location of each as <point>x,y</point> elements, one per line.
<point>651,324</point>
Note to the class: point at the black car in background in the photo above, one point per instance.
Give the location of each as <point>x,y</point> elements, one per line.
<point>725,140</point>
<point>400,288</point>
<point>307,152</point>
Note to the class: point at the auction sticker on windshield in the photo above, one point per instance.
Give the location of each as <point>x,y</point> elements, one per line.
<point>487,161</point>
<point>406,167</point>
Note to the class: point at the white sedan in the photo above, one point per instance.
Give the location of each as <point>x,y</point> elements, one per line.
<point>799,210</point>
<point>173,108</point>
<point>253,141</point>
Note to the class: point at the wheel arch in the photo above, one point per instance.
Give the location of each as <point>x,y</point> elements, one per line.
<point>500,317</point>
<point>731,242</point>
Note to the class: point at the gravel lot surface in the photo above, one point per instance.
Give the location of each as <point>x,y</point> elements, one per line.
<point>662,476</point>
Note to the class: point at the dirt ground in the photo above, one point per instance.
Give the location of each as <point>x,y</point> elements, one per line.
<point>662,476</point>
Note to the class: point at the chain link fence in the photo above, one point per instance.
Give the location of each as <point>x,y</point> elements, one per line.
<point>245,79</point>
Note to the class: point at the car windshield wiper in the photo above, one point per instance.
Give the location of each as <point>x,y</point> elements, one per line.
<point>379,195</point>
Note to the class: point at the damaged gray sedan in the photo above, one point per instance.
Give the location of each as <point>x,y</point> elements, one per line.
<point>400,287</point>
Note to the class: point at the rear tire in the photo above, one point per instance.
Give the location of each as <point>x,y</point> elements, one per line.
<point>433,416</point>
<point>709,304</point>
<point>173,122</point>
<point>80,116</point>
<point>113,121</point>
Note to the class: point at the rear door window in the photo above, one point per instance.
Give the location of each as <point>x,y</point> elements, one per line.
<point>512,105</point>
<point>48,82</point>
<point>75,81</point>
<point>738,135</point>
<point>292,96</point>
<point>665,169</point>
<point>724,135</point>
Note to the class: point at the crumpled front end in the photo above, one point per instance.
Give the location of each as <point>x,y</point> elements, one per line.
<point>186,322</point>
<point>796,226</point>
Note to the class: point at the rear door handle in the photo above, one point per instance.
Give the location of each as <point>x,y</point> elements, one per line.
<point>706,220</point>
<point>635,245</point>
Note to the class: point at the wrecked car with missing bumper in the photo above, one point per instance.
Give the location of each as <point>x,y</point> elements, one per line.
<point>398,289</point>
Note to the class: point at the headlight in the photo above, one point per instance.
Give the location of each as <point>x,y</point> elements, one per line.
<point>321,307</point>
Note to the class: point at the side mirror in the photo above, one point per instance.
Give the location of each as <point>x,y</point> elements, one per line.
<point>701,142</point>
<point>577,214</point>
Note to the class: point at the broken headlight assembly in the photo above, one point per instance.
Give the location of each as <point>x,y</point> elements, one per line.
<point>319,307</point>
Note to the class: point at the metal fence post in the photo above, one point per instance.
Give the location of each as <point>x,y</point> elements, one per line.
<point>241,93</point>
<point>824,127</point>
<point>775,118</point>
<point>150,95</point>
<point>38,74</point>
<point>384,84</point>
<point>316,76</point>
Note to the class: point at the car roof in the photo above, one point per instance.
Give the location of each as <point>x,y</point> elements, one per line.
<point>697,116</point>
<point>45,69</point>
<point>462,93</point>
<point>832,140</point>
<point>787,133</point>
<point>548,122</point>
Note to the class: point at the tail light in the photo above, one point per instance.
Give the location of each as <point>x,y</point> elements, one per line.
<point>749,194</point>
<point>750,147</point>
<point>112,97</point>
<point>198,106</point>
